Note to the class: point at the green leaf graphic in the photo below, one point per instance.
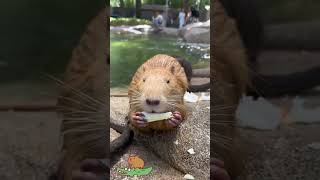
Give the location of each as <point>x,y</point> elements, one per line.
<point>134,172</point>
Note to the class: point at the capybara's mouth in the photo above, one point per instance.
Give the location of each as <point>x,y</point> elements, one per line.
<point>155,111</point>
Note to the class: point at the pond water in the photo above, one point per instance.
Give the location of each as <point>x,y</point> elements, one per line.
<point>129,51</point>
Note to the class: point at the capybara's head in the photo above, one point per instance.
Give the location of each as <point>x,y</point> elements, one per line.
<point>159,85</point>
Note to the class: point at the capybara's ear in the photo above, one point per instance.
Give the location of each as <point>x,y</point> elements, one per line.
<point>172,69</point>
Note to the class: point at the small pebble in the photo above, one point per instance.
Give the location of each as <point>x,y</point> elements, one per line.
<point>191,151</point>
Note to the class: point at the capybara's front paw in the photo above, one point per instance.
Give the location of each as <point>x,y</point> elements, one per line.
<point>176,119</point>
<point>217,170</point>
<point>138,119</point>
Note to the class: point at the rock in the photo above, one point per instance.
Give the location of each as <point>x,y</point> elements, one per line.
<point>143,29</point>
<point>173,146</point>
<point>196,33</point>
<point>139,29</point>
<point>113,134</point>
<point>170,31</point>
<point>119,108</point>
<point>259,114</point>
<point>315,146</point>
<point>300,114</point>
<point>192,133</point>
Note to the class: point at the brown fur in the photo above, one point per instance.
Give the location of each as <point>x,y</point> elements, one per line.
<point>85,77</point>
<point>162,68</point>
<point>230,78</point>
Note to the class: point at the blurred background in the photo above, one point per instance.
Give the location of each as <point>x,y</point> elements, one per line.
<point>135,35</point>
<point>282,133</point>
<point>36,38</point>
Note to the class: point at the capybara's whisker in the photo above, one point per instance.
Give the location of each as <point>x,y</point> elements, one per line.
<point>77,92</point>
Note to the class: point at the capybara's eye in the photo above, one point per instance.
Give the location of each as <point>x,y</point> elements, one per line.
<point>168,81</point>
<point>144,80</point>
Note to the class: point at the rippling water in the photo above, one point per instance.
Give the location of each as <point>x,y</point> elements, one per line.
<point>129,51</point>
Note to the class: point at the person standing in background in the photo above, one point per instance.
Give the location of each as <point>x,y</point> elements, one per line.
<point>192,16</point>
<point>182,17</point>
<point>158,22</point>
<point>195,15</point>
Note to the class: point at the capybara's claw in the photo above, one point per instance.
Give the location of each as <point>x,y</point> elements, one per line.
<point>138,119</point>
<point>176,119</point>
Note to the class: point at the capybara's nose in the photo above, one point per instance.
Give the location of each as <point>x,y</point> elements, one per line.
<point>153,102</point>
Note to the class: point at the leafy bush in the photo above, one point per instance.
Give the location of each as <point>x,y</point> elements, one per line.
<point>129,21</point>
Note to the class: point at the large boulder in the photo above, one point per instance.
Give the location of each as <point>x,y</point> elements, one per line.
<point>139,29</point>
<point>196,32</point>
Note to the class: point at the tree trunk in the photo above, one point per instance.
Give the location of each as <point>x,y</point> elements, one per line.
<point>122,3</point>
<point>138,8</point>
<point>186,6</point>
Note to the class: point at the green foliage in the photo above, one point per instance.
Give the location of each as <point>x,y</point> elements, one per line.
<point>128,21</point>
<point>127,3</point>
<point>128,52</point>
<point>160,2</point>
<point>172,3</point>
<point>114,3</point>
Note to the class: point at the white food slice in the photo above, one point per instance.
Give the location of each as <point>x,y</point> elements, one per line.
<point>188,176</point>
<point>151,117</point>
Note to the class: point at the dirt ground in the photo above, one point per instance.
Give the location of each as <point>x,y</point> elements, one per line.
<point>30,141</point>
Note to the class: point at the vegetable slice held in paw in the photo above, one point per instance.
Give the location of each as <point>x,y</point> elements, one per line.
<point>151,117</point>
